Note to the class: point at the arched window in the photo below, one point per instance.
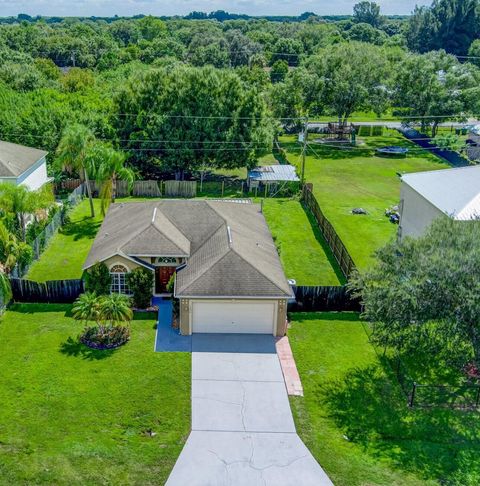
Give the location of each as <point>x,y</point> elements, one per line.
<point>118,284</point>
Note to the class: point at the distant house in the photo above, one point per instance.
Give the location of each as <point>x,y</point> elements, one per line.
<point>473,136</point>
<point>229,277</point>
<point>425,196</point>
<point>23,165</point>
<point>272,174</point>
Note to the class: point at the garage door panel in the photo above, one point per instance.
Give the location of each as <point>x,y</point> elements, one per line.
<point>233,317</point>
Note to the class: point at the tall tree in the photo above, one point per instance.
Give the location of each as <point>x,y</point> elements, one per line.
<point>367,13</point>
<point>188,117</point>
<point>349,77</point>
<point>447,24</point>
<point>72,153</point>
<point>436,87</point>
<point>423,295</point>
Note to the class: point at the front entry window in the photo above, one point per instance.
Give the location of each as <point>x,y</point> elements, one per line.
<point>118,281</point>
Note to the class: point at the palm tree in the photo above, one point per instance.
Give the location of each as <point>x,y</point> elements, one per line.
<point>72,153</point>
<point>115,308</point>
<point>11,251</point>
<point>19,201</point>
<point>87,308</point>
<point>110,167</point>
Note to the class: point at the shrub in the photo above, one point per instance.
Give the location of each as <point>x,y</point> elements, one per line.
<point>140,282</point>
<point>97,279</point>
<point>105,337</point>
<point>171,284</point>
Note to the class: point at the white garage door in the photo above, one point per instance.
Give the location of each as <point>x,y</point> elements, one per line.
<point>228,317</point>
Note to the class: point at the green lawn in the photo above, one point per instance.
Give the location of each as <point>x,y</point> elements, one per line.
<point>303,251</point>
<point>346,179</point>
<point>355,420</point>
<point>71,415</point>
<point>305,255</point>
<point>67,251</point>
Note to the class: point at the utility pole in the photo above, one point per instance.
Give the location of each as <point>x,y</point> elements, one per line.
<point>304,151</point>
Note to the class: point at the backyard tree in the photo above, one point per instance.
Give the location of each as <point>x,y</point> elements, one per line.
<point>423,295</point>
<point>191,117</point>
<point>72,152</point>
<point>108,165</point>
<point>19,202</point>
<point>349,77</point>
<point>367,13</point>
<point>435,87</point>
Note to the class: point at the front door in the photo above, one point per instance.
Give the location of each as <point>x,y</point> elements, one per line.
<point>162,277</point>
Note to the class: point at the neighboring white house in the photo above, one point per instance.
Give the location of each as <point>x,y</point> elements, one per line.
<point>23,165</point>
<point>425,196</point>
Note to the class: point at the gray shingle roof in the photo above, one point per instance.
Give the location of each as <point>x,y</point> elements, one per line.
<point>229,248</point>
<point>16,159</point>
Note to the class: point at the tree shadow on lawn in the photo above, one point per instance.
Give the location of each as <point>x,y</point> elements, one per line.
<point>85,228</point>
<point>369,406</point>
<point>73,347</point>
<point>326,316</point>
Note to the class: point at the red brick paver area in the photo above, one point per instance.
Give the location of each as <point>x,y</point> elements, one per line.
<point>289,368</point>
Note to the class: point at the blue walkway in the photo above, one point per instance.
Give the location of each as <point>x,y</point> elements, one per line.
<point>168,339</point>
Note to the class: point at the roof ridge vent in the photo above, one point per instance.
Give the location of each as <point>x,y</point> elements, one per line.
<point>229,233</point>
<point>154,214</point>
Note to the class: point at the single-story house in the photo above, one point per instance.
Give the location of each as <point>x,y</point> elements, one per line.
<point>272,174</point>
<point>425,196</point>
<point>229,277</point>
<point>23,165</point>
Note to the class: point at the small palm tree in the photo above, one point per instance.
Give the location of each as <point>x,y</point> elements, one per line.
<point>87,308</point>
<point>110,167</point>
<point>72,153</point>
<point>115,308</point>
<point>11,252</point>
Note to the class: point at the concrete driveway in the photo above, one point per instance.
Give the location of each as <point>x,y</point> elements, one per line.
<point>242,426</point>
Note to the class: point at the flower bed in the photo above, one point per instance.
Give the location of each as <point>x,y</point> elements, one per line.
<point>105,337</point>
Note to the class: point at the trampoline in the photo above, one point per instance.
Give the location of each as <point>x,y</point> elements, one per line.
<point>392,150</point>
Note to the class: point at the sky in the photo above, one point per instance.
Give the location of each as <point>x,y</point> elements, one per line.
<point>182,7</point>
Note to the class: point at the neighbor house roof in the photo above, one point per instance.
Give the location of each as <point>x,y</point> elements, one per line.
<point>274,173</point>
<point>228,246</point>
<point>456,192</point>
<point>16,159</point>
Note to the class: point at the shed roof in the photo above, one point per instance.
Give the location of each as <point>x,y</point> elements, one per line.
<point>274,173</point>
<point>456,192</point>
<point>16,159</point>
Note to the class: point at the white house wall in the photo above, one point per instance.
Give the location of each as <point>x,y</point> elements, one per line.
<point>36,176</point>
<point>417,214</point>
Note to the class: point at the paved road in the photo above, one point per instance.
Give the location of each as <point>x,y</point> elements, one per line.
<point>395,124</point>
<point>243,432</point>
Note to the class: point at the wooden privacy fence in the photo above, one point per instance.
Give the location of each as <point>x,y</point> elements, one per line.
<point>339,251</point>
<point>52,291</point>
<point>180,188</point>
<point>323,299</point>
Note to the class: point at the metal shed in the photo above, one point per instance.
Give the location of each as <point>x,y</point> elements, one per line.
<point>272,174</point>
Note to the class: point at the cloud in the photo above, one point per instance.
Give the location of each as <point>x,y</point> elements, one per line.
<point>182,7</point>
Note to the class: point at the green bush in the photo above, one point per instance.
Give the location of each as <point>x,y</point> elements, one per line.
<point>140,282</point>
<point>97,279</point>
<point>171,284</point>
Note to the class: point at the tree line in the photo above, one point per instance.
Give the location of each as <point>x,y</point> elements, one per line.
<point>178,96</point>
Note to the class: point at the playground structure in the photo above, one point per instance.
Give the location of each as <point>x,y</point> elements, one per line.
<point>338,132</point>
